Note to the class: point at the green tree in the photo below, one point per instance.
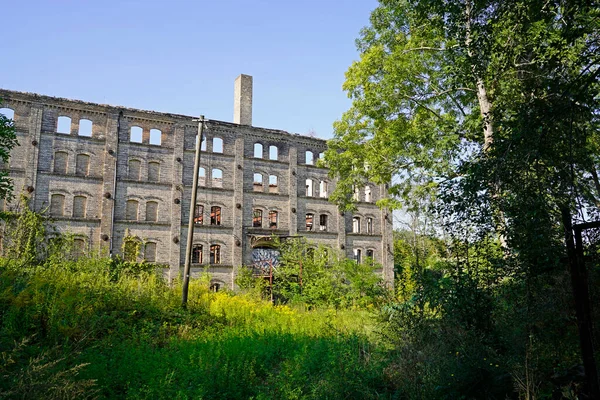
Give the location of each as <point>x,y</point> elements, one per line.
<point>8,140</point>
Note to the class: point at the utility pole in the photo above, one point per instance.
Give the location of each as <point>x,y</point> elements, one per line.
<point>190,233</point>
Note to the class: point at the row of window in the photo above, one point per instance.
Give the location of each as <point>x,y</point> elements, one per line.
<point>215,215</point>
<point>356,226</point>
<point>136,136</point>
<point>358,255</point>
<point>64,126</point>
<point>61,163</point>
<point>132,210</point>
<point>135,170</point>
<point>57,206</point>
<point>368,194</point>
<point>257,219</point>
<point>258,185</point>
<point>215,254</point>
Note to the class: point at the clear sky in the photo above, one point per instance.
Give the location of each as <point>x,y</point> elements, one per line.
<point>183,56</point>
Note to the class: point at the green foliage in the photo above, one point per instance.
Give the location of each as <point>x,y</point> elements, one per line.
<point>8,140</point>
<point>318,278</point>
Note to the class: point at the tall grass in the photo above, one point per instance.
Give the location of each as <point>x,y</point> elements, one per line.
<point>124,335</point>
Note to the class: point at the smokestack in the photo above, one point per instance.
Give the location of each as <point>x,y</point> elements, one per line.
<point>242,102</point>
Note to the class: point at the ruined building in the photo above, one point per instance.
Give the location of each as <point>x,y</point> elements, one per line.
<point>104,172</point>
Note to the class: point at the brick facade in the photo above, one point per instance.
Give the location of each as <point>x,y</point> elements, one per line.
<point>49,164</point>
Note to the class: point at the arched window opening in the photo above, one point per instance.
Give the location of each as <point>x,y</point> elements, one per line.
<point>215,286</point>
<point>258,150</point>
<point>82,165</point>
<point>215,254</point>
<point>217,145</point>
<point>201,176</point>
<point>309,221</point>
<point>323,222</point>
<point>273,153</point>
<point>257,218</point>
<point>273,219</point>
<point>135,134</point>
<point>155,137</point>
<point>199,214</point>
<point>369,225</point>
<point>152,211</point>
<point>370,254</point>
<point>78,248</point>
<point>321,156</point>
<point>368,197</point>
<point>131,248</point>
<point>258,183</point>
<point>150,252</point>
<point>153,171</point>
<point>217,178</point>
<point>310,157</point>
<point>202,145</point>
<point>215,215</point>
<point>60,162</point>
<point>309,188</point>
<point>134,170</point>
<point>356,225</point>
<point>323,189</point>
<point>273,187</point>
<point>64,125</point>
<point>197,254</point>
<point>85,127</point>
<point>131,210</point>
<point>357,255</point>
<point>8,113</point>
<point>57,205</point>
<point>79,206</point>
<point>356,195</point>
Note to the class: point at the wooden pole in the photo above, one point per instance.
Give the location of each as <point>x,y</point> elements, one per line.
<point>190,232</point>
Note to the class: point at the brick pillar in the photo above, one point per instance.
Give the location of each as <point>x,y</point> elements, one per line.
<point>293,190</point>
<point>109,170</point>
<point>176,197</point>
<point>238,213</point>
<point>33,150</point>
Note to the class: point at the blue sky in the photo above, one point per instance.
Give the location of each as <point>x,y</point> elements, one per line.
<point>183,56</point>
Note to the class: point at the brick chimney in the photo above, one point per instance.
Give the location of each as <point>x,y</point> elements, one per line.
<point>242,101</point>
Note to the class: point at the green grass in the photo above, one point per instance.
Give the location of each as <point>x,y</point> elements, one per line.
<point>92,333</point>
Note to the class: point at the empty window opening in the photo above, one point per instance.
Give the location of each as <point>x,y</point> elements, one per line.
<point>357,255</point>
<point>368,196</point>
<point>201,176</point>
<point>258,183</point>
<point>152,211</point>
<point>135,135</point>
<point>215,287</point>
<point>85,127</point>
<point>150,252</point>
<point>273,153</point>
<point>273,219</point>
<point>60,162</point>
<point>215,215</point>
<point>309,157</point>
<point>202,145</point>
<point>215,254</point>
<point>78,248</point>
<point>257,218</point>
<point>356,195</point>
<point>131,210</point>
<point>134,170</point>
<point>197,254</point>
<point>309,188</point>
<point>370,254</point>
<point>199,214</point>
<point>57,205</point>
<point>155,137</point>
<point>369,225</point>
<point>217,178</point>
<point>79,206</point>
<point>323,222</point>
<point>321,156</point>
<point>323,189</point>
<point>273,188</point>
<point>217,145</point>
<point>8,113</point>
<point>309,221</point>
<point>356,225</point>
<point>153,171</point>
<point>82,165</point>
<point>64,125</point>
<point>258,150</point>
